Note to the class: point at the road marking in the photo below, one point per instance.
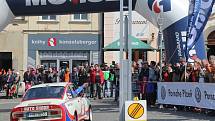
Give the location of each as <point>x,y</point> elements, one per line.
<point>135,110</point>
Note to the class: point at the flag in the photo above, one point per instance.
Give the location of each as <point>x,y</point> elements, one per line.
<point>199,13</point>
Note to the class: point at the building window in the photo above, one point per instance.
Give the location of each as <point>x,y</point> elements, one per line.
<point>49,18</point>
<point>80,17</point>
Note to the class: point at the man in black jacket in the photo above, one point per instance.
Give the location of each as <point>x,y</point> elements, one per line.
<point>143,78</point>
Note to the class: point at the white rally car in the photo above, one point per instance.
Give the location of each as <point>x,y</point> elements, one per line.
<point>53,102</point>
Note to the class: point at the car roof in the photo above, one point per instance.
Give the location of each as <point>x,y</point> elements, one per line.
<point>63,84</point>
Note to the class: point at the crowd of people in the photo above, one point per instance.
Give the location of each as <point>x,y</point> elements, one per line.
<point>8,82</point>
<point>149,74</point>
<point>103,80</point>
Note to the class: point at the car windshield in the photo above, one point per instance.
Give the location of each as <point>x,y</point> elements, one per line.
<point>44,92</point>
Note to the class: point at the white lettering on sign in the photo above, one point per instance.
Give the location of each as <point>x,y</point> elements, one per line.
<point>178,41</point>
<point>117,21</point>
<point>34,42</point>
<point>29,108</point>
<point>36,108</point>
<point>59,2</point>
<point>43,2</point>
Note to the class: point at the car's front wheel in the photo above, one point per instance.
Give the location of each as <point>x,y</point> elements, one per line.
<point>90,115</point>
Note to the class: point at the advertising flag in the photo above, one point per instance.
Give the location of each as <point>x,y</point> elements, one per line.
<point>200,11</point>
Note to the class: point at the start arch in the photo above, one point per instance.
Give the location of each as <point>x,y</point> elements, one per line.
<point>173,12</point>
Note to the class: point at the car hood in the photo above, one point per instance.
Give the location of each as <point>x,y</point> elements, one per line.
<point>40,102</point>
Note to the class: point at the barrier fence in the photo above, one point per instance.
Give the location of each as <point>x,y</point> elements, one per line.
<point>201,95</point>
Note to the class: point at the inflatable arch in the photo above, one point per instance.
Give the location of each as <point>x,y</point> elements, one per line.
<point>173,12</point>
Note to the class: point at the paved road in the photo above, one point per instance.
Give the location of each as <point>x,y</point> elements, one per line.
<point>106,110</point>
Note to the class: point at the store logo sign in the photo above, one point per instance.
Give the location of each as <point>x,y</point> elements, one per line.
<point>52,42</point>
<point>198,95</point>
<point>163,93</point>
<point>159,6</point>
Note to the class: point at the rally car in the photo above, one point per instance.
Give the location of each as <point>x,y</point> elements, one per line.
<point>53,102</point>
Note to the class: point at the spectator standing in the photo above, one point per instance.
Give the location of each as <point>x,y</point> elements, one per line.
<point>99,80</point>
<point>152,83</point>
<point>44,76</point>
<point>82,75</point>
<point>112,80</point>
<point>176,73</point>
<point>75,77</point>
<point>27,75</point>
<point>38,77</point>
<point>92,81</point>
<point>182,69</point>
<point>52,77</point>
<point>209,73</point>
<point>143,78</point>
<point>106,87</point>
<point>1,81</point>
<point>10,80</point>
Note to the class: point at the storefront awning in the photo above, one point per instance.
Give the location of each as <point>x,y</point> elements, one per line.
<point>136,44</point>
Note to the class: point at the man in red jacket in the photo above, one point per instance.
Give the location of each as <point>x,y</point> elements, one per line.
<point>99,81</point>
<point>92,80</point>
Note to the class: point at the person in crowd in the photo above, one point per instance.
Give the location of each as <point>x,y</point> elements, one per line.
<point>208,73</point>
<point>152,84</point>
<point>1,81</point>
<point>44,76</point>
<point>196,71</point>
<point>99,80</point>
<point>213,71</point>
<point>116,81</point>
<point>9,80</point>
<point>176,73</point>
<point>15,86</point>
<point>4,76</point>
<point>27,75</point>
<point>182,62</point>
<point>143,78</point>
<point>112,80</point>
<point>67,76</point>
<point>92,81</point>
<point>52,77</point>
<point>82,75</point>
<point>74,76</point>
<point>38,77</point>
<point>107,86</point>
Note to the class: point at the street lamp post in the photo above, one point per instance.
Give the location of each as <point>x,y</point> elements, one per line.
<point>121,87</point>
<point>160,37</point>
<point>129,50</point>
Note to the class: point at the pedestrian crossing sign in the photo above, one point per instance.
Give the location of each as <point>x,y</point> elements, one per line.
<point>135,110</point>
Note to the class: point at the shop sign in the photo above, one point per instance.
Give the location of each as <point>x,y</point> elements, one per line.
<point>63,42</point>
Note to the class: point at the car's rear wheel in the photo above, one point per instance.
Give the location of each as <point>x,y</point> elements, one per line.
<point>90,115</point>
